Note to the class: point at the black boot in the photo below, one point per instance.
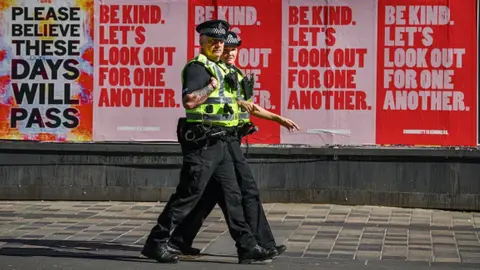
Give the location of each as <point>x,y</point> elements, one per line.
<point>255,254</point>
<point>161,253</point>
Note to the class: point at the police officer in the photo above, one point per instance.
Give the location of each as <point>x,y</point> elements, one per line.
<point>185,233</point>
<point>211,113</point>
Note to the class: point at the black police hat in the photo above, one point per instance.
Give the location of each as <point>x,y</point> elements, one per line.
<point>232,39</point>
<point>214,28</point>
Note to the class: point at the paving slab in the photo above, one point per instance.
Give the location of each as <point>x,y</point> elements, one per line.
<point>111,234</point>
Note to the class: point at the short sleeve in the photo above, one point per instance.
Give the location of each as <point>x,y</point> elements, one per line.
<point>195,77</point>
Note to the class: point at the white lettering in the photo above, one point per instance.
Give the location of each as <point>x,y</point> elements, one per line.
<point>428,15</point>
<point>253,57</point>
<point>410,57</point>
<point>436,79</point>
<point>404,100</point>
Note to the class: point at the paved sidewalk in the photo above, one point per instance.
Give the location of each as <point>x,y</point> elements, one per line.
<point>331,236</point>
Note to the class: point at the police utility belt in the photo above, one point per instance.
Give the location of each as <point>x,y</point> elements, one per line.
<point>195,132</point>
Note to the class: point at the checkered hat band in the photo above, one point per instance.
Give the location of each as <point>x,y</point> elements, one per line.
<point>214,31</point>
<point>231,39</point>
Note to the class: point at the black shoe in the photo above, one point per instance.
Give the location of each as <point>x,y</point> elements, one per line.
<point>160,253</point>
<point>277,250</point>
<point>184,250</point>
<point>272,252</point>
<point>257,253</point>
<point>190,251</point>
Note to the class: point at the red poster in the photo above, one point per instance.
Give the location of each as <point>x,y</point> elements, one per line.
<point>258,24</point>
<point>427,70</point>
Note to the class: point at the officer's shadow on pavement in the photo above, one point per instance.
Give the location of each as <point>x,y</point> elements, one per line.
<point>91,250</point>
<point>217,258</point>
<point>70,249</point>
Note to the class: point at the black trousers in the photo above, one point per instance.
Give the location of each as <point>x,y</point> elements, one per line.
<point>201,162</point>
<point>186,231</point>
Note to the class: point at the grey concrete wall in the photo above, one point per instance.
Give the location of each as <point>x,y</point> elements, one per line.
<point>447,179</point>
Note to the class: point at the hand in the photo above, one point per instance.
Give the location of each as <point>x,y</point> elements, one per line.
<point>213,83</point>
<point>249,106</point>
<point>288,124</point>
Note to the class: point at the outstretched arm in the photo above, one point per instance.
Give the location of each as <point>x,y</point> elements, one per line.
<point>258,111</point>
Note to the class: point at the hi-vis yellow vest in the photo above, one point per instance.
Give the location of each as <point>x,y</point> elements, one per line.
<point>211,112</point>
<point>243,115</point>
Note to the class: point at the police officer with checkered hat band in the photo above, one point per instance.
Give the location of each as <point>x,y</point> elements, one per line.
<point>252,207</point>
<point>210,106</point>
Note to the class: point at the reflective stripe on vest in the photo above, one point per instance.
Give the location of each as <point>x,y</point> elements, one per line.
<point>221,90</point>
<point>243,116</point>
<point>211,116</point>
<point>219,100</point>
